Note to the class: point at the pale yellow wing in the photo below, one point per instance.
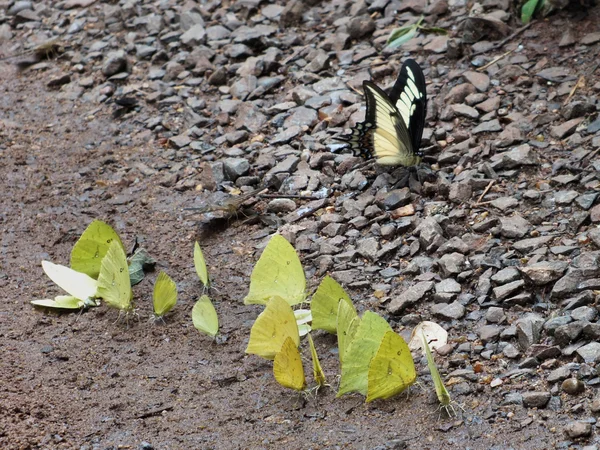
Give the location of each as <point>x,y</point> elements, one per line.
<point>114,284</point>
<point>324,305</point>
<point>287,366</point>
<point>392,369</point>
<point>271,328</point>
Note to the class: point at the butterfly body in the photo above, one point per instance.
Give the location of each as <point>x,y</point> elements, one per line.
<point>393,126</point>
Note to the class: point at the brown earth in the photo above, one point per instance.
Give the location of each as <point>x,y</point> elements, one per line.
<point>90,381</point>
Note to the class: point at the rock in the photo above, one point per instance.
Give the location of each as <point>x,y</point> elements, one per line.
<point>565,129</point>
<point>480,80</point>
<point>460,192</point>
<point>489,333</point>
<point>562,373</point>
<point>452,311</point>
<point>590,353</point>
<point>430,234</point>
<point>514,226</point>
<point>529,330</point>
<point>361,26</point>
<point>114,63</point>
<point>536,399</point>
<point>506,290</point>
<point>459,93</point>
<point>281,205</point>
<point>490,126</point>
<point>410,297</point>
<point>573,386</point>
<point>235,168</point>
<point>495,315</point>
<point>576,430</point>
<point>544,272</point>
<point>452,264</point>
<point>506,275</point>
<point>195,36</point>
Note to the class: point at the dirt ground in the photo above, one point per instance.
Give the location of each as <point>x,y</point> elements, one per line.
<point>87,381</point>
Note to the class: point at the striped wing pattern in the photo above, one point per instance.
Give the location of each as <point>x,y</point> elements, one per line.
<point>392,129</point>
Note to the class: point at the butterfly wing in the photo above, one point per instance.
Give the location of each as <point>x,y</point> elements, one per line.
<point>91,247</point>
<point>114,284</point>
<point>409,95</point>
<point>287,366</point>
<point>204,316</point>
<point>200,265</point>
<point>278,272</point>
<point>77,284</point>
<point>324,304</point>
<point>442,393</point>
<point>393,127</point>
<point>362,348</point>
<point>392,369</point>
<point>165,294</point>
<point>318,374</point>
<point>271,328</point>
<point>60,302</point>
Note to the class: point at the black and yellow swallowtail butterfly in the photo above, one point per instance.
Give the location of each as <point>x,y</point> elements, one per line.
<point>393,126</point>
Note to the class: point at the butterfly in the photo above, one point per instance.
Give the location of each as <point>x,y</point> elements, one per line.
<point>392,369</point>
<point>278,272</point>
<point>204,317</point>
<point>392,130</point>
<point>165,295</point>
<point>324,305</point>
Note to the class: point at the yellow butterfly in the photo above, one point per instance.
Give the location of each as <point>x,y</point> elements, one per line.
<point>200,265</point>
<point>204,316</point>
<point>318,374</point>
<point>442,393</point>
<point>92,246</point>
<point>114,285</point>
<point>360,351</point>
<point>271,328</point>
<point>278,272</point>
<point>392,369</point>
<point>324,305</point>
<point>347,323</point>
<point>165,294</point>
<point>287,366</point>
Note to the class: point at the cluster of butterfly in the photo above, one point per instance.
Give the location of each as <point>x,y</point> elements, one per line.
<point>99,271</point>
<point>375,361</point>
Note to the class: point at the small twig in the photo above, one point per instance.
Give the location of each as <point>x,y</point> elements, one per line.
<point>485,191</point>
<point>495,60</point>
<point>580,83</point>
<point>154,412</point>
<point>303,197</point>
<point>505,40</point>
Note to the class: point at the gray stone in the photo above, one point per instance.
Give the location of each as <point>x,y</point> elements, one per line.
<point>455,244</point>
<point>544,272</point>
<point>514,226</point>
<point>504,203</point>
<point>452,311</point>
<point>565,198</point>
<point>114,63</point>
<point>506,290</point>
<point>565,334</point>
<point>448,286</point>
<point>460,192</point>
<point>361,26</point>
<point>559,374</point>
<point>480,80</point>
<point>396,198</point>
<point>495,314</point>
<point>235,168</point>
<point>536,399</point>
<point>506,275</point>
<point>281,205</point>
<point>552,324</point>
<point>430,234</point>
<point>195,36</point>
<point>584,313</point>
<point>527,245</point>
<point>529,330</point>
<point>368,247</point>
<point>489,333</point>
<point>590,353</point>
<point>490,126</point>
<point>576,430</point>
<point>410,297</point>
<point>452,264</point>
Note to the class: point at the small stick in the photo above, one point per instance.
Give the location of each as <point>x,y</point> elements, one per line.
<point>495,60</point>
<point>580,83</point>
<point>485,191</point>
<point>505,40</point>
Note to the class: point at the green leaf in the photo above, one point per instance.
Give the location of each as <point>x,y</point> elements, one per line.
<point>528,10</point>
<point>139,263</point>
<point>401,36</point>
